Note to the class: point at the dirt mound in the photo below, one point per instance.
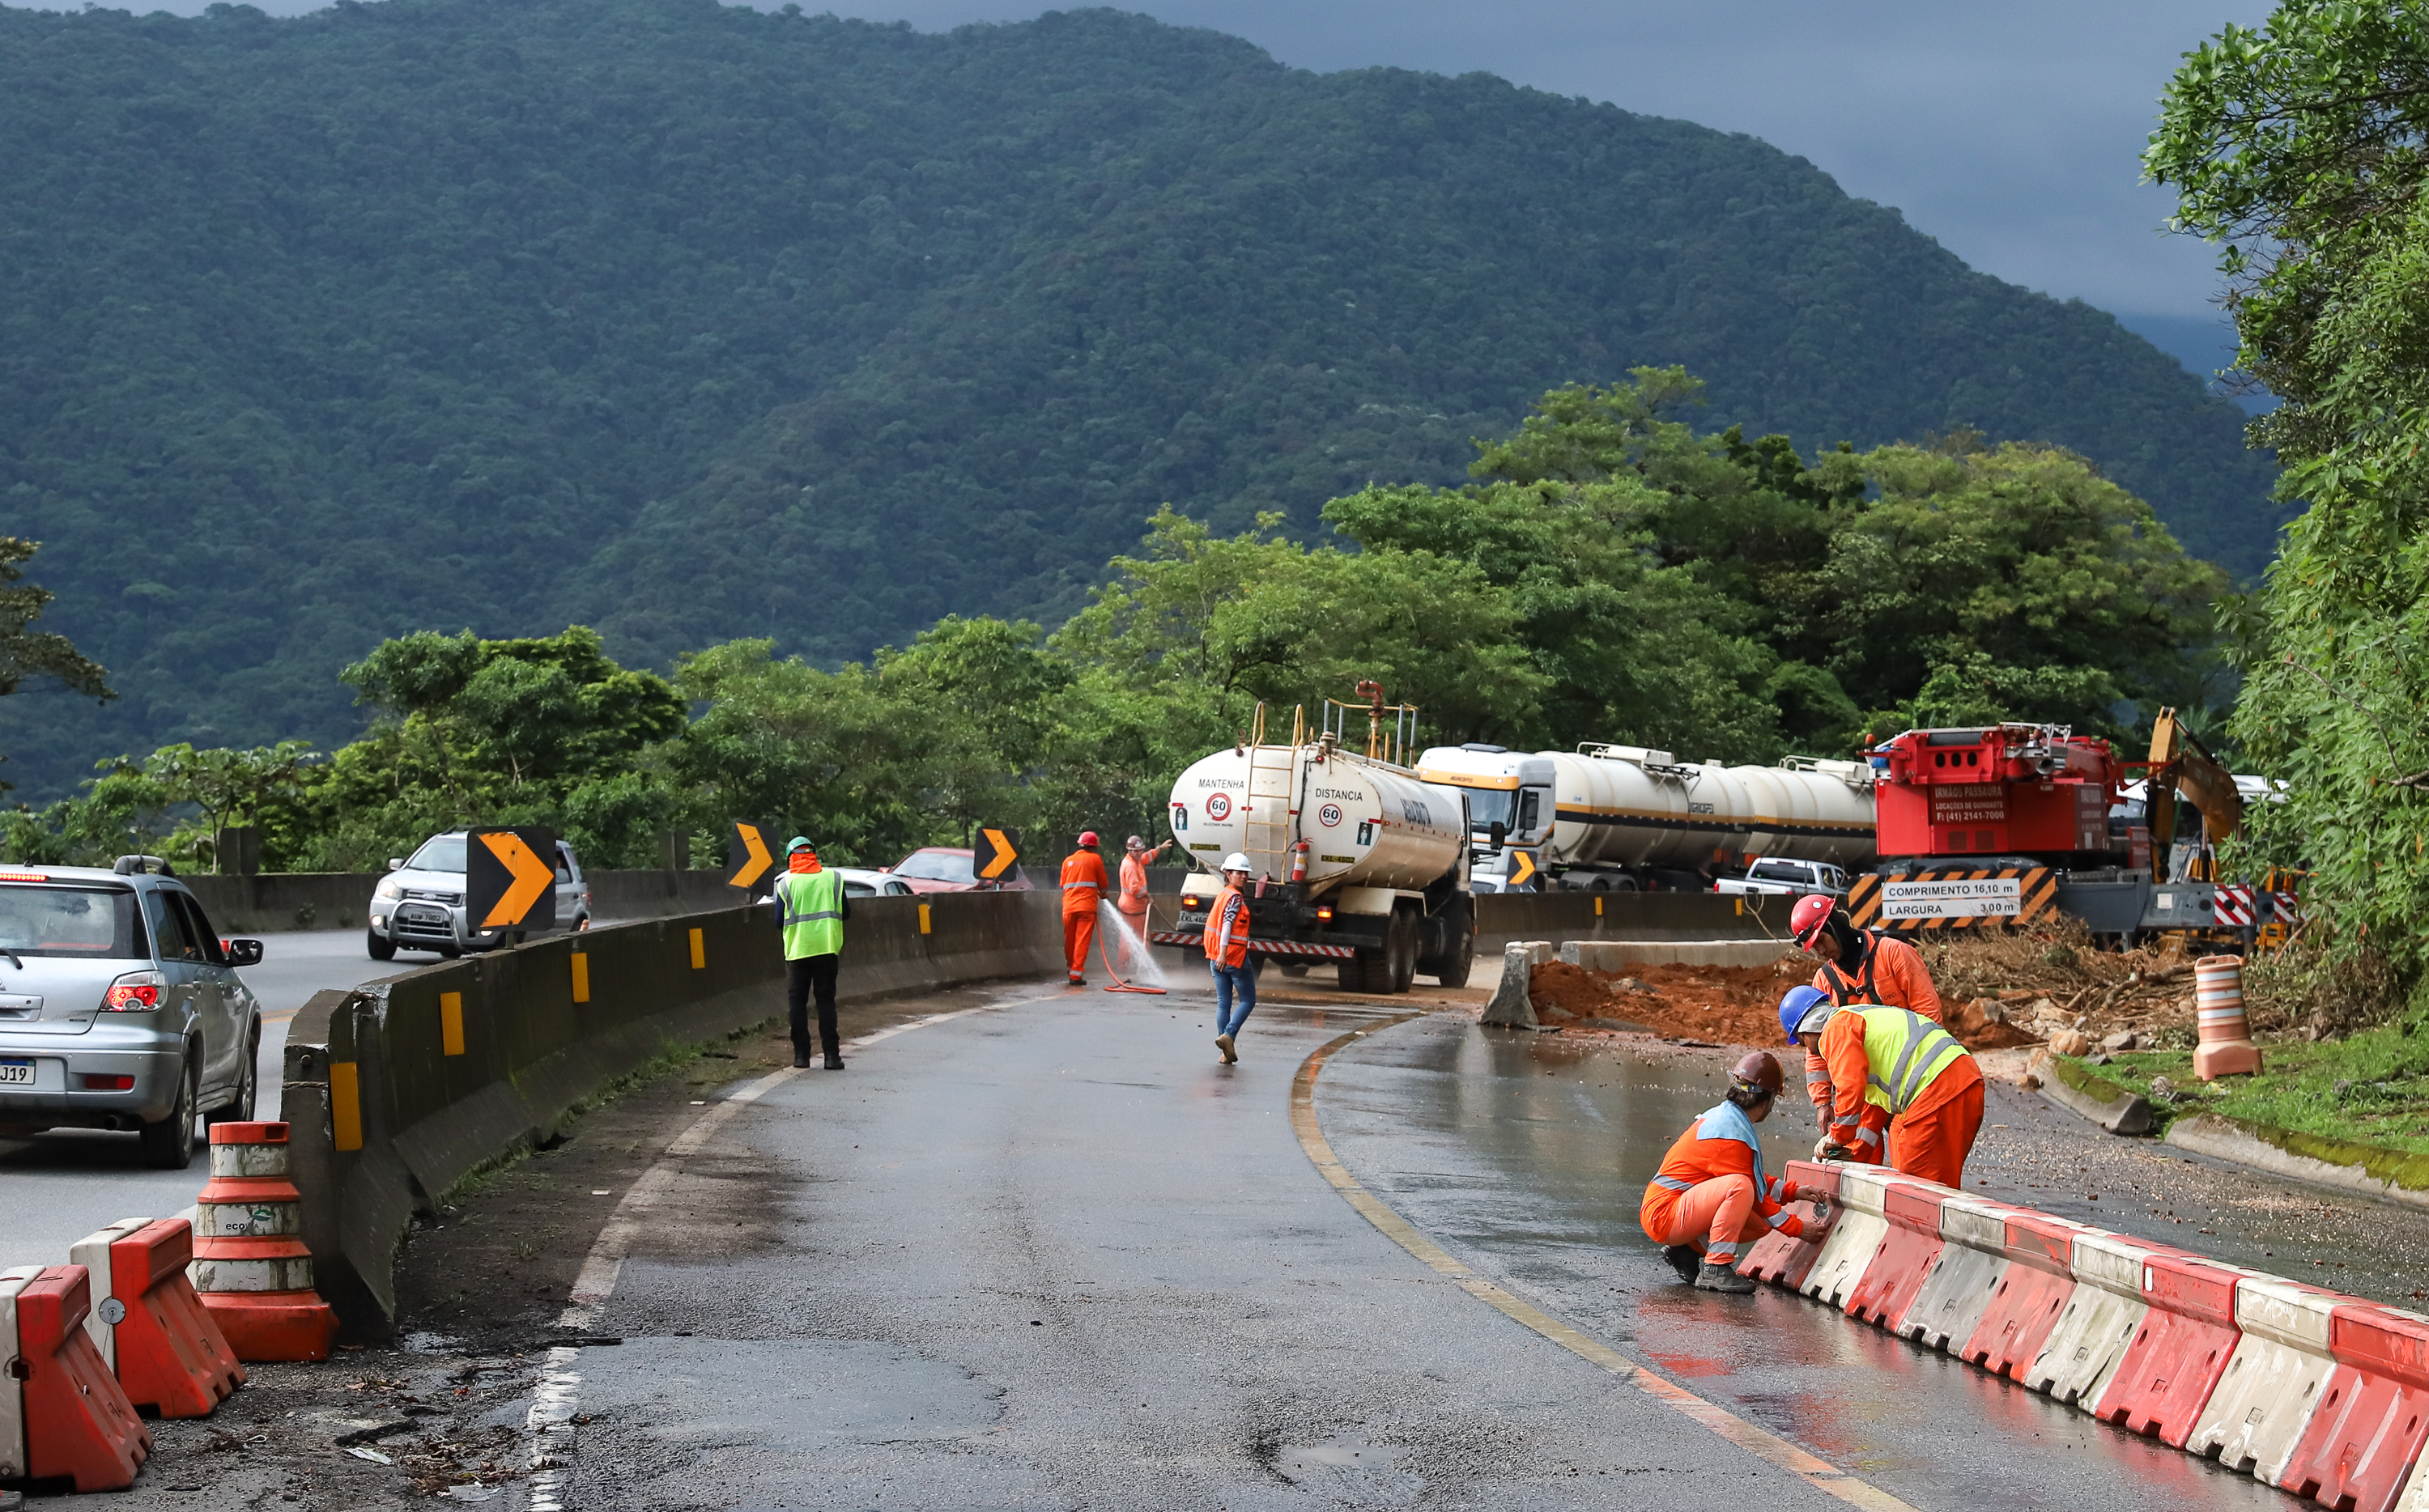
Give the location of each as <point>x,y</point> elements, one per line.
<point>1722,1005</point>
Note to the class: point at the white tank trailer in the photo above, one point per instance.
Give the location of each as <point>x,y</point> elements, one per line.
<point>1618,818</point>
<point>1355,860</point>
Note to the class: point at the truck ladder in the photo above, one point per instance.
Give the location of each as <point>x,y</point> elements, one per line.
<point>1268,832</point>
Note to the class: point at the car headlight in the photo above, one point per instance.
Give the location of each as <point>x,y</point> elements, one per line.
<point>388,890</point>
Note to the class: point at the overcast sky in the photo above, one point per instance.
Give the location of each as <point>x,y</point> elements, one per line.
<point>2009,131</point>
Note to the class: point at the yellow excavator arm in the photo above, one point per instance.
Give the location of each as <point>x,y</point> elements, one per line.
<point>2180,763</point>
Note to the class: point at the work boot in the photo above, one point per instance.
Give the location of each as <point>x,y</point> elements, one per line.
<point>1684,1260</point>
<point>1078,982</point>
<point>1223,1043</point>
<point>801,1059</point>
<point>834,1062</point>
<point>1713,1276</point>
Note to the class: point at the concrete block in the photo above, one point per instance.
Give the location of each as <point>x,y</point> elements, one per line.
<point>1618,955</point>
<point>1511,1008</point>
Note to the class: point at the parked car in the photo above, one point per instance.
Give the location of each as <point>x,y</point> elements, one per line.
<point>859,881</point>
<point>120,1008</point>
<point>1777,875</point>
<point>419,904</point>
<point>950,869</point>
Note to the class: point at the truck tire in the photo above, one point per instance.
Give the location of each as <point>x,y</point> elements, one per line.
<point>1365,973</point>
<point>1400,946</point>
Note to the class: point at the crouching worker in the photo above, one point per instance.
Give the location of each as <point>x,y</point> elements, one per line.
<point>1894,1066</point>
<point>1712,1195</point>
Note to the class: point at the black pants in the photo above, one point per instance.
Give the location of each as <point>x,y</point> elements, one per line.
<point>802,977</point>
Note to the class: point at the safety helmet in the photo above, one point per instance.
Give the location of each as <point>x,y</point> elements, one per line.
<point>1799,1002</point>
<point>1235,862</point>
<point>799,843</point>
<point>1806,919</point>
<point>1758,1071</point>
<point>1088,839</point>
<point>1133,842</point>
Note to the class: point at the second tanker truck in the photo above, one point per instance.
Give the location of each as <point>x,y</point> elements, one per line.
<point>1356,861</point>
<point>1623,818</point>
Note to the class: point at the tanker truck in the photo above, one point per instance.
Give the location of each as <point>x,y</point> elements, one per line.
<point>1608,817</point>
<point>1356,861</point>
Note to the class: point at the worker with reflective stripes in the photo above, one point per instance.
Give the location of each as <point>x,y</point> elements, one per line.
<point>812,907</point>
<point>1227,957</point>
<point>1084,886</point>
<point>1926,1087</point>
<point>1133,899</point>
<point>1858,967</point>
<point>1712,1194</point>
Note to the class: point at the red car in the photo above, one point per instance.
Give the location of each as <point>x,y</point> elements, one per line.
<point>950,869</point>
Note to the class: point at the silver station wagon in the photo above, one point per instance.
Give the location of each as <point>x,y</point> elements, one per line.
<point>120,1008</point>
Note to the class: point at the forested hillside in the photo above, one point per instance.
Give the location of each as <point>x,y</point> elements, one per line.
<point>695,322</point>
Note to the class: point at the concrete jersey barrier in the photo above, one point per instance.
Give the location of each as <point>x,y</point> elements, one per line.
<point>397,1091</point>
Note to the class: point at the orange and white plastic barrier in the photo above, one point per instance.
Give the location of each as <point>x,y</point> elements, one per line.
<point>146,1322</point>
<point>2323,1395</point>
<point>13,1395</point>
<point>251,1265</point>
<point>79,1425</point>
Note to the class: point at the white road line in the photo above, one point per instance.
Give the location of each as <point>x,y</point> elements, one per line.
<point>549,1423</point>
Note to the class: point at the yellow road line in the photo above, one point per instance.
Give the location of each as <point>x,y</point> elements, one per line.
<point>1819,1473</point>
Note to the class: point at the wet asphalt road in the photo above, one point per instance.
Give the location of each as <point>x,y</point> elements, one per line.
<point>1053,1255</point>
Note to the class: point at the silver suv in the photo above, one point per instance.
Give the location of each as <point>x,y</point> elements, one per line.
<point>120,1008</point>
<point>419,904</point>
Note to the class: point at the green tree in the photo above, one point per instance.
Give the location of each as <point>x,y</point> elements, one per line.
<point>2302,148</point>
<point>229,787</point>
<point>27,652</point>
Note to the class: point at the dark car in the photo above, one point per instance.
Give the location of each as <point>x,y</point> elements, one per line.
<point>950,869</point>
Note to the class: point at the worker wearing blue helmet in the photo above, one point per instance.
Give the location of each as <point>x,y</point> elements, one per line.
<point>1795,1009</point>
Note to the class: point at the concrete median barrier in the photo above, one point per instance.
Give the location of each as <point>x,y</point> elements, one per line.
<point>1618,955</point>
<point>1501,917</point>
<point>397,1091</point>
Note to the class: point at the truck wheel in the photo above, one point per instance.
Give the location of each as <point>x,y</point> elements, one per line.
<point>1400,946</point>
<point>1363,973</point>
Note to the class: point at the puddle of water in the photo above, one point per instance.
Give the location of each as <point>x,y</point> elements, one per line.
<point>1531,1158</point>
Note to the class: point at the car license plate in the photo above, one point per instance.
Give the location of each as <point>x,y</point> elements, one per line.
<point>16,1070</point>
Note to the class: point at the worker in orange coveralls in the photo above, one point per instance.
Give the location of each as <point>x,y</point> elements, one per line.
<point>1914,1072</point>
<point>1084,886</point>
<point>1133,902</point>
<point>1712,1194</point>
<point>1858,967</point>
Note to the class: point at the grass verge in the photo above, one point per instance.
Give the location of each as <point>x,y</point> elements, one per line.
<point>2370,1088</point>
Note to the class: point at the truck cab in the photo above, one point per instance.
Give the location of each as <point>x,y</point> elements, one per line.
<point>1508,812</point>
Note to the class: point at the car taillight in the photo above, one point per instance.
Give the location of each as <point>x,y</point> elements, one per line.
<point>108,1083</point>
<point>1189,900</point>
<point>138,992</point>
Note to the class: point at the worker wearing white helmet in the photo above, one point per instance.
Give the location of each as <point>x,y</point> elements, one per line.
<point>1227,956</point>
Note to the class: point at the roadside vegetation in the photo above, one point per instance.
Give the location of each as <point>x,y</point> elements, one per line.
<point>1611,573</point>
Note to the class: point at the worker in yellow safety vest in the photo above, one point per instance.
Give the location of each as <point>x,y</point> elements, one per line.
<point>1895,1060</point>
<point>812,908</point>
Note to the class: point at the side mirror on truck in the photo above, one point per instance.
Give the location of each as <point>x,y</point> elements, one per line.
<point>1500,833</point>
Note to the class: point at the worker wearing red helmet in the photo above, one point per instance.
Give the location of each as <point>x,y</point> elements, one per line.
<point>1859,966</point>
<point>1712,1194</point>
<point>1892,1067</point>
<point>1084,886</point>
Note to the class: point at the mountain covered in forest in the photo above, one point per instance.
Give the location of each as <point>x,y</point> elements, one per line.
<point>693,322</point>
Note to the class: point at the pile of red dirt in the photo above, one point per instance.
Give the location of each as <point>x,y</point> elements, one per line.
<point>1722,1005</point>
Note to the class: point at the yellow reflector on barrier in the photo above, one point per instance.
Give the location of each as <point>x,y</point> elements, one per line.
<point>451,1022</point>
<point>345,1106</point>
<point>581,977</point>
<point>923,918</point>
<point>1597,908</point>
<point>699,951</point>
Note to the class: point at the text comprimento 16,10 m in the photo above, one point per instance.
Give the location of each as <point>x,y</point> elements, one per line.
<point>1954,897</point>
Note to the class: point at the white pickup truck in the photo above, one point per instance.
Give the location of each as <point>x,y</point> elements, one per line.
<point>1775,873</point>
